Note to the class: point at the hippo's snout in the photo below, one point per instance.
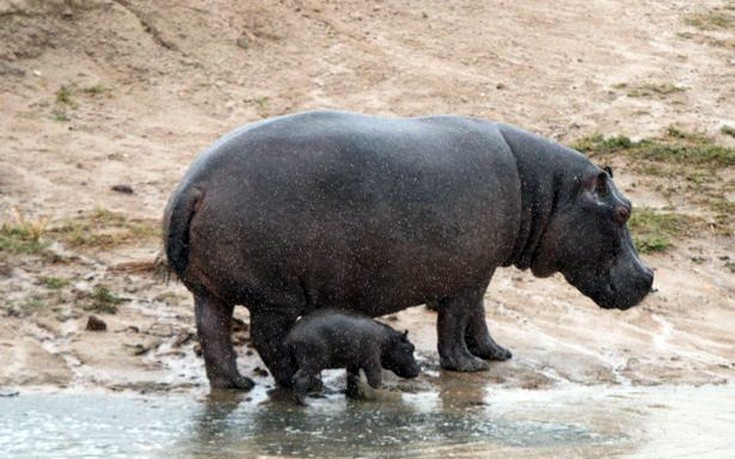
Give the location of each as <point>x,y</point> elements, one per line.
<point>639,286</point>
<point>410,371</point>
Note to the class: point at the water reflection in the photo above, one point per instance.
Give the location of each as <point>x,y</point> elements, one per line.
<point>230,426</point>
<point>454,416</point>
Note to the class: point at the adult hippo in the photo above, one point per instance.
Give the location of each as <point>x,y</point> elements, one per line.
<point>374,215</point>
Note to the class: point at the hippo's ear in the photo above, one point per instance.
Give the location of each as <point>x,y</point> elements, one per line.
<point>405,334</point>
<point>596,183</point>
<point>608,169</point>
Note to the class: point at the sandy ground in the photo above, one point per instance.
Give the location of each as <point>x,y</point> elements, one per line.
<point>99,93</point>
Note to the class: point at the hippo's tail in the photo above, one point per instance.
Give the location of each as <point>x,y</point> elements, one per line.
<point>176,221</point>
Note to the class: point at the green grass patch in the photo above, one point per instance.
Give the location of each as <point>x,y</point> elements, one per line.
<point>653,231</point>
<point>65,96</point>
<point>655,89</point>
<point>676,146</point>
<point>23,308</point>
<point>60,116</point>
<point>103,300</point>
<point>712,20</point>
<point>54,283</point>
<point>23,236</point>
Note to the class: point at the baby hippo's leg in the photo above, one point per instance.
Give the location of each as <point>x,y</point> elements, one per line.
<point>303,380</point>
<point>373,372</point>
<point>353,382</point>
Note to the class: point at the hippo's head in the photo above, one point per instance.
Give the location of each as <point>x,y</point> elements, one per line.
<point>587,240</point>
<point>398,356</point>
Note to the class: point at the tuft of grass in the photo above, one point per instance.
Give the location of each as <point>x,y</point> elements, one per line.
<point>95,90</point>
<point>54,283</point>
<point>711,20</point>
<point>23,236</point>
<point>65,96</point>
<point>596,143</point>
<point>722,205</point>
<point>260,101</point>
<point>105,229</point>
<point>60,115</point>
<point>24,308</point>
<point>653,231</point>
<point>103,300</point>
<point>728,130</point>
<point>676,146</point>
<point>655,89</point>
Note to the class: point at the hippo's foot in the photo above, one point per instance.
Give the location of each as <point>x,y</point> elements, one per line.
<point>478,339</point>
<point>316,386</point>
<point>239,382</point>
<point>304,383</point>
<point>463,362</point>
<point>490,351</point>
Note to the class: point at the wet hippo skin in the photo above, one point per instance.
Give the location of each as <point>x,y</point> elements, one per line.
<point>334,339</point>
<point>374,215</point>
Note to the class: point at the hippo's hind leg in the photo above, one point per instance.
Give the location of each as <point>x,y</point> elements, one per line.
<point>268,331</point>
<point>455,314</point>
<point>478,339</point>
<point>213,319</point>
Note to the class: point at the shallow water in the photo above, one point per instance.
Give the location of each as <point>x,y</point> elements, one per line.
<point>454,421</point>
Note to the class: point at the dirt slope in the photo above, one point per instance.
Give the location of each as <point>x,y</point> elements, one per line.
<point>99,93</point>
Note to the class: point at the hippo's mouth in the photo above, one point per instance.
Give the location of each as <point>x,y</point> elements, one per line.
<point>614,292</point>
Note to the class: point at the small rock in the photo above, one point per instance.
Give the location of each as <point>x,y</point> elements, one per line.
<point>243,42</point>
<point>198,349</point>
<point>125,189</point>
<point>94,323</point>
<point>500,86</point>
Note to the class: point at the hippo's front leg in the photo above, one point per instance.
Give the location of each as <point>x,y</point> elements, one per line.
<point>268,331</point>
<point>353,382</point>
<point>452,326</point>
<point>213,319</point>
<point>478,339</point>
<point>373,371</point>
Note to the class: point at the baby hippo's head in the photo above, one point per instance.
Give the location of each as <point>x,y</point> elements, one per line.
<point>398,356</point>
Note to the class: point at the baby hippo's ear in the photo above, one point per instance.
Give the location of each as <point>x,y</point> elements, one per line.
<point>405,334</point>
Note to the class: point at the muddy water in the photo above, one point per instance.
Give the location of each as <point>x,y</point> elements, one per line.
<point>455,419</point>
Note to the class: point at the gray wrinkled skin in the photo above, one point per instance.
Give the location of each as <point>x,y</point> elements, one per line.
<point>334,339</point>
<point>374,215</point>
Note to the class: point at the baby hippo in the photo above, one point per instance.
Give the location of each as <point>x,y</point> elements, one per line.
<point>335,339</point>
